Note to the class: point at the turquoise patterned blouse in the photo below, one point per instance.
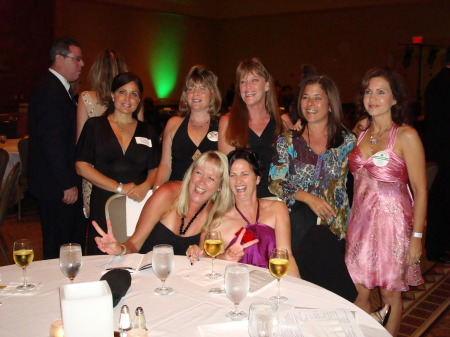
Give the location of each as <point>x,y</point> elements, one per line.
<point>295,166</point>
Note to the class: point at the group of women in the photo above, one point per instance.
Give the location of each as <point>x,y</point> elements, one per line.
<point>350,251</point>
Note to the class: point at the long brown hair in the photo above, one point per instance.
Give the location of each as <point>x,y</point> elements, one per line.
<point>335,116</point>
<point>237,131</point>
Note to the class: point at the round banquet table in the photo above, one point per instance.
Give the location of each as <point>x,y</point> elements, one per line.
<point>190,311</point>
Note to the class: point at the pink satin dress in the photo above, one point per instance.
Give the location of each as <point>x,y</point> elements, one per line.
<point>381,220</point>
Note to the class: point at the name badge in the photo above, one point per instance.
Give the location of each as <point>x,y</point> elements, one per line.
<point>143,141</point>
<point>213,136</point>
<point>380,159</point>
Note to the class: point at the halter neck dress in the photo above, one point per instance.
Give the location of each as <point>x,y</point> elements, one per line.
<point>259,253</point>
<point>381,220</point>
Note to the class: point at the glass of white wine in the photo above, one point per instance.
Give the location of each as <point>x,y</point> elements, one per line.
<point>279,267</point>
<point>70,260</point>
<point>162,265</point>
<point>23,255</point>
<point>237,284</point>
<point>213,246</point>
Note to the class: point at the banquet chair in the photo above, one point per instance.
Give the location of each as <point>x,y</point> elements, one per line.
<point>23,181</point>
<point>7,192</point>
<point>115,210</point>
<point>4,158</point>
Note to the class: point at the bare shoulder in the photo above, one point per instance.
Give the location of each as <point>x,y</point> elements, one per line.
<point>168,192</point>
<point>174,122</point>
<point>274,206</point>
<point>406,132</point>
<point>224,119</point>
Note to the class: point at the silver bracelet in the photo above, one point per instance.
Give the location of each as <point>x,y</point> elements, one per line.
<point>417,235</point>
<point>124,250</point>
<point>119,189</point>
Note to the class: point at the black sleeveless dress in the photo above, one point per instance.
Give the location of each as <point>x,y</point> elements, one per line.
<point>184,151</point>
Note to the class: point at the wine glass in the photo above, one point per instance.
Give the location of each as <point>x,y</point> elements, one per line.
<point>263,319</point>
<point>162,265</point>
<point>213,246</point>
<point>23,255</point>
<point>70,260</point>
<point>237,284</point>
<point>278,267</point>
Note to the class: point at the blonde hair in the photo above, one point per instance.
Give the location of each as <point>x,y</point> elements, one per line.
<point>199,74</point>
<point>221,200</point>
<point>107,65</point>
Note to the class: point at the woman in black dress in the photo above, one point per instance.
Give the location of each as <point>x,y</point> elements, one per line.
<point>254,121</point>
<point>194,130</point>
<point>116,152</point>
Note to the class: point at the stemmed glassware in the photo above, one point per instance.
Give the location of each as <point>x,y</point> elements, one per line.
<point>70,260</point>
<point>213,246</point>
<point>23,255</point>
<point>162,265</point>
<point>237,284</point>
<point>279,267</point>
<point>263,319</point>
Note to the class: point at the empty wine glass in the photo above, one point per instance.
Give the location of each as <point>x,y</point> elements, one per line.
<point>70,260</point>
<point>162,265</point>
<point>23,256</point>
<point>278,267</point>
<point>237,284</point>
<point>263,319</point>
<point>213,246</point>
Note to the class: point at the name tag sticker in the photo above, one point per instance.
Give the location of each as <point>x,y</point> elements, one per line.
<point>213,136</point>
<point>380,159</point>
<point>143,141</point>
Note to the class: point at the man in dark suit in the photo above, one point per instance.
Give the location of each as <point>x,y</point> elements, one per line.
<point>51,163</point>
<point>437,144</point>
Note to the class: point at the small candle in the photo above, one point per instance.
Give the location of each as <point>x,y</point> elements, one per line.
<point>56,329</point>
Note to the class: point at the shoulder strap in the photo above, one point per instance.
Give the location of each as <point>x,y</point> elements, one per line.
<point>245,219</point>
<point>392,136</point>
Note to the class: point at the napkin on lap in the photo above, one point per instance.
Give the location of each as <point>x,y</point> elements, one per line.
<point>119,280</point>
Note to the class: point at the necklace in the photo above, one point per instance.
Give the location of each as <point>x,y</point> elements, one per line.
<point>198,125</point>
<point>184,230</point>
<point>374,141</point>
<point>118,124</point>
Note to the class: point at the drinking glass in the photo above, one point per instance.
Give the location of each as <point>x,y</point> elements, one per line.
<point>278,267</point>
<point>263,319</point>
<point>23,255</point>
<point>70,260</point>
<point>213,246</point>
<point>162,265</point>
<point>237,283</point>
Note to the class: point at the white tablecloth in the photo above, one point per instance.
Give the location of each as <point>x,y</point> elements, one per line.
<point>179,314</point>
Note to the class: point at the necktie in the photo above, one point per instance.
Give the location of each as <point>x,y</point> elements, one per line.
<point>71,95</point>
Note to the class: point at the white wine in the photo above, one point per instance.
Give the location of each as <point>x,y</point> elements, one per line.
<point>278,267</point>
<point>23,257</point>
<point>213,247</point>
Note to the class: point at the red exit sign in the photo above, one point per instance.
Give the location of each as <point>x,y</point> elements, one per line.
<point>417,39</point>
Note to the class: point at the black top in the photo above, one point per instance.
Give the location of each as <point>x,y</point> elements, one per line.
<point>263,147</point>
<point>184,151</point>
<point>163,235</point>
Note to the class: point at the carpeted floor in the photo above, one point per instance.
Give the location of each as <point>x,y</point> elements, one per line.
<point>426,307</point>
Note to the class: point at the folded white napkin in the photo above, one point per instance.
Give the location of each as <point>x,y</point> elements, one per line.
<point>322,328</point>
<point>133,212</point>
<point>235,329</point>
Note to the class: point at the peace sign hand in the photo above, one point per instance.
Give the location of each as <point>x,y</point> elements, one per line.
<point>237,250</point>
<point>107,243</point>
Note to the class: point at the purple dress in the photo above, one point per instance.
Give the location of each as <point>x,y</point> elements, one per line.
<point>259,253</point>
<point>381,220</point>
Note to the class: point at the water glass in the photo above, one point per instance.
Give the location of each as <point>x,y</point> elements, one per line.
<point>263,319</point>
<point>162,265</point>
<point>237,284</point>
<point>70,260</point>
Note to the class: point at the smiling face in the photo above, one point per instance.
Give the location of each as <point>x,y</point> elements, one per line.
<point>243,180</point>
<point>205,181</point>
<point>253,89</point>
<point>378,97</point>
<point>198,97</point>
<point>126,98</point>
<point>314,104</point>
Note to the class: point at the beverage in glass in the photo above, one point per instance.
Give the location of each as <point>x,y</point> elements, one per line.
<point>70,260</point>
<point>23,255</point>
<point>237,284</point>
<point>263,319</point>
<point>213,246</point>
<point>279,267</point>
<point>162,265</point>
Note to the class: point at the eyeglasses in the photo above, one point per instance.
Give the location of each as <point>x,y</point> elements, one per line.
<point>76,59</point>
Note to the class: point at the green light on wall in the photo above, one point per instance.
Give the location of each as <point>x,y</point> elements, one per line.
<point>164,58</point>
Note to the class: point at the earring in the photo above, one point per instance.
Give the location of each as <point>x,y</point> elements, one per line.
<point>219,190</point>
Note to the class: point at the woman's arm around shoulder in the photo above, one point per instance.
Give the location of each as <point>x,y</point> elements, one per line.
<point>223,146</point>
<point>360,125</point>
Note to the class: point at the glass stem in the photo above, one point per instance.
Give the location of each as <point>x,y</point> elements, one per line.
<point>212,268</point>
<point>278,288</point>
<point>163,284</point>
<point>24,277</point>
<point>236,308</point>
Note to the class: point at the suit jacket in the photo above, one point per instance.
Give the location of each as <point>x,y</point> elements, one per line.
<point>52,144</point>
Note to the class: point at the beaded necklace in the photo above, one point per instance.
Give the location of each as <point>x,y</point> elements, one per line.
<point>374,141</point>
<point>184,230</point>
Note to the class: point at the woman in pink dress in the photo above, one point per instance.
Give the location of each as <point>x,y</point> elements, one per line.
<point>386,224</point>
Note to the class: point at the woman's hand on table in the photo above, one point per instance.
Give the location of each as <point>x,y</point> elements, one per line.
<point>237,250</point>
<point>138,192</point>
<point>319,206</point>
<point>106,242</point>
<point>194,253</point>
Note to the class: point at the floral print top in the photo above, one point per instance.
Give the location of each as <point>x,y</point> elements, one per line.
<point>295,166</point>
